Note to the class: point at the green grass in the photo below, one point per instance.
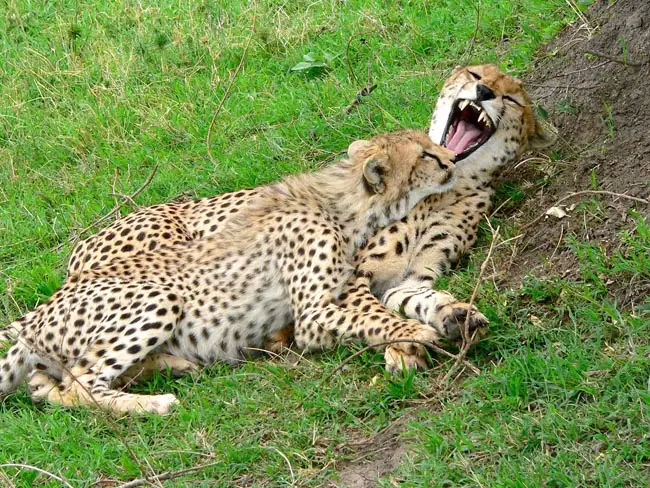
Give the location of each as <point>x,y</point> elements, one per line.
<point>564,394</point>
<point>94,95</point>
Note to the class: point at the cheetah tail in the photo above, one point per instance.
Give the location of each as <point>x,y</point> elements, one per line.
<point>18,360</point>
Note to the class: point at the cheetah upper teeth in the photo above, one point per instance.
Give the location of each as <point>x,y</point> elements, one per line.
<point>463,104</point>
<point>483,118</point>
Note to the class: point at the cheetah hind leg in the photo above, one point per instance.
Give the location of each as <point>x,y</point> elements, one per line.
<point>42,387</point>
<point>90,381</point>
<point>87,390</point>
<point>41,382</point>
<point>144,370</point>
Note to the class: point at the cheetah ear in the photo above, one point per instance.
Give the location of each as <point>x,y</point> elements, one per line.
<point>357,146</point>
<point>544,136</point>
<point>374,171</point>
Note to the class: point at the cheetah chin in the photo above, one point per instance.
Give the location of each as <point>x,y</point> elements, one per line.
<point>468,127</point>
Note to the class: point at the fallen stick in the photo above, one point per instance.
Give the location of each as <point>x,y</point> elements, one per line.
<point>358,98</point>
<point>113,211</point>
<point>34,468</point>
<point>228,89</point>
<point>169,475</point>
<point>615,59</point>
<point>430,345</point>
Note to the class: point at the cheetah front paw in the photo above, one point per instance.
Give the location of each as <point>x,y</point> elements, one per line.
<point>438,309</point>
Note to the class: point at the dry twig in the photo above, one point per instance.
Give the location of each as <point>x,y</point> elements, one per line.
<point>34,468</point>
<point>559,241</point>
<point>363,92</point>
<point>228,89</point>
<point>564,87</point>
<point>113,211</point>
<point>470,47</point>
<point>615,59</point>
<point>347,59</point>
<point>358,98</point>
<point>286,460</point>
<point>127,198</point>
<point>116,174</point>
<point>430,345</point>
<point>573,72</point>
<point>5,479</point>
<point>467,340</point>
<point>583,18</point>
<point>12,170</point>
<point>169,475</point>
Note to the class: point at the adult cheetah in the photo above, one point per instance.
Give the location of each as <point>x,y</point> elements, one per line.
<point>285,254</point>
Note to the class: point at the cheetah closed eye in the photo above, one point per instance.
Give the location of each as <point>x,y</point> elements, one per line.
<point>284,254</point>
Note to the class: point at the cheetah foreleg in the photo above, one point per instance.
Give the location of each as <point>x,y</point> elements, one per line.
<point>323,327</point>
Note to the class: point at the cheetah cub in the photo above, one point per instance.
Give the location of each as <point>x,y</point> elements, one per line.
<point>285,258</point>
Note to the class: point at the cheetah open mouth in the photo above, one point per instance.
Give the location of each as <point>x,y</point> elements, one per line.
<point>468,128</point>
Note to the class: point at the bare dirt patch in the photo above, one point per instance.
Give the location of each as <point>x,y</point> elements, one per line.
<point>592,82</point>
<point>372,457</point>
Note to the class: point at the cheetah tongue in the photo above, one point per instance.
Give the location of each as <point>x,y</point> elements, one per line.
<point>464,136</point>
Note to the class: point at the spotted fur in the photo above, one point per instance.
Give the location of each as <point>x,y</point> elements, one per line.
<point>403,260</point>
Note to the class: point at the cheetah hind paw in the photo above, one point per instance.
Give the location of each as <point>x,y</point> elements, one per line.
<point>40,385</point>
<point>162,404</point>
<point>156,404</point>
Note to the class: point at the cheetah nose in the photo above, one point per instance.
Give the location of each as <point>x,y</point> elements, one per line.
<point>484,92</point>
